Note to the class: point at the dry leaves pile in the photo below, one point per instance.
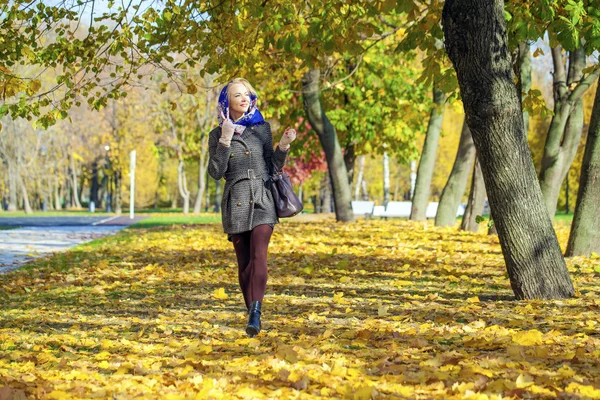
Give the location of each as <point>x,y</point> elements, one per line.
<point>374,309</point>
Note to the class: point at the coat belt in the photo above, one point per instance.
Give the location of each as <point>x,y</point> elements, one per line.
<point>251,174</point>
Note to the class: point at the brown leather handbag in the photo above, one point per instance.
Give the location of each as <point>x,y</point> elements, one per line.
<point>287,203</point>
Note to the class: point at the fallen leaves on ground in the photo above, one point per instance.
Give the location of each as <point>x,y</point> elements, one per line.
<point>374,309</point>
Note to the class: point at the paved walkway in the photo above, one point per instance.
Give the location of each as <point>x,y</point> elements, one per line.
<point>39,236</point>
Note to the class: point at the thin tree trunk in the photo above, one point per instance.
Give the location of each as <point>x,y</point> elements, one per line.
<point>118,192</point>
<point>182,185</point>
<point>360,177</point>
<point>427,161</point>
<point>325,194</point>
<point>386,178</point>
<point>57,196</point>
<point>476,42</point>
<point>476,199</point>
<point>328,138</point>
<point>12,188</point>
<point>585,229</point>
<point>564,133</point>
<point>457,181</point>
<point>365,192</point>
<point>26,204</point>
<point>75,199</point>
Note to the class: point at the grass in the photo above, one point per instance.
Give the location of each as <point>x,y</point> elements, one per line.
<point>177,219</point>
<point>6,228</point>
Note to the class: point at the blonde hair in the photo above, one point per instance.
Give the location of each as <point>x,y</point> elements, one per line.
<point>242,81</point>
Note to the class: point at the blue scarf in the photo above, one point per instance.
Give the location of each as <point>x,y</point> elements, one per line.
<point>250,117</point>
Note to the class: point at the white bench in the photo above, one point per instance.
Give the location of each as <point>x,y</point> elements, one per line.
<point>378,211</point>
<point>397,209</point>
<point>363,208</point>
<point>431,210</point>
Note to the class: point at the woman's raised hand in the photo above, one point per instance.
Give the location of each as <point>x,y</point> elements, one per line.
<point>287,138</point>
<point>227,129</point>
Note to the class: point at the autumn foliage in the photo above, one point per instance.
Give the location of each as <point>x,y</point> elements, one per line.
<point>368,310</point>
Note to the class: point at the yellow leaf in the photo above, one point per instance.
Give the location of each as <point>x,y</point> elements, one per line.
<point>524,380</point>
<point>473,299</point>
<point>220,294</point>
<point>528,338</point>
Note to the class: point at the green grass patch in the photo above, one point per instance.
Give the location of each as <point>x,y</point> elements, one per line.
<point>6,228</point>
<point>177,219</point>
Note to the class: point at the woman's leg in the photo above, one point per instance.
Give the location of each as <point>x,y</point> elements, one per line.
<point>257,269</point>
<point>241,244</point>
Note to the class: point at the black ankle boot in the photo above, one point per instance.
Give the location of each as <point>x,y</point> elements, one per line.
<point>253,326</point>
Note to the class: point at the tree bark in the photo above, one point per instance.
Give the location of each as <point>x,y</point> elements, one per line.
<point>349,160</point>
<point>328,138</point>
<point>585,229</point>
<point>564,133</point>
<point>476,198</point>
<point>457,181</point>
<point>325,194</point>
<point>524,65</point>
<point>476,42</point>
<point>427,161</point>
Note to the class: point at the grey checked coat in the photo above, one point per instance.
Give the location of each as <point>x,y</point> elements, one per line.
<point>246,166</point>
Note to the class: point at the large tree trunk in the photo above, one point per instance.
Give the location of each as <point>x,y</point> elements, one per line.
<point>475,203</point>
<point>457,181</point>
<point>182,186</point>
<point>476,42</point>
<point>566,127</point>
<point>328,138</point>
<point>585,229</point>
<point>386,178</point>
<point>427,161</point>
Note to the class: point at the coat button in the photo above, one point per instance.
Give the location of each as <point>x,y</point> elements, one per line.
<point>231,156</point>
<point>251,202</point>
<point>247,152</point>
<point>239,204</point>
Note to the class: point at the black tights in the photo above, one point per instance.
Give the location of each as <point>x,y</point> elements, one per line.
<point>251,252</point>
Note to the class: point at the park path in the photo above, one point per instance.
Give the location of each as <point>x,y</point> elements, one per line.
<point>39,236</point>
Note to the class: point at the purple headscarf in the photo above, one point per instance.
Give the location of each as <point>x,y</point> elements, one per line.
<point>250,117</point>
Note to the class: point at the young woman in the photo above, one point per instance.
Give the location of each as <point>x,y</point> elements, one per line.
<point>241,151</point>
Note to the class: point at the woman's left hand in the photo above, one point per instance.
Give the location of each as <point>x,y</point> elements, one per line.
<point>287,138</point>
